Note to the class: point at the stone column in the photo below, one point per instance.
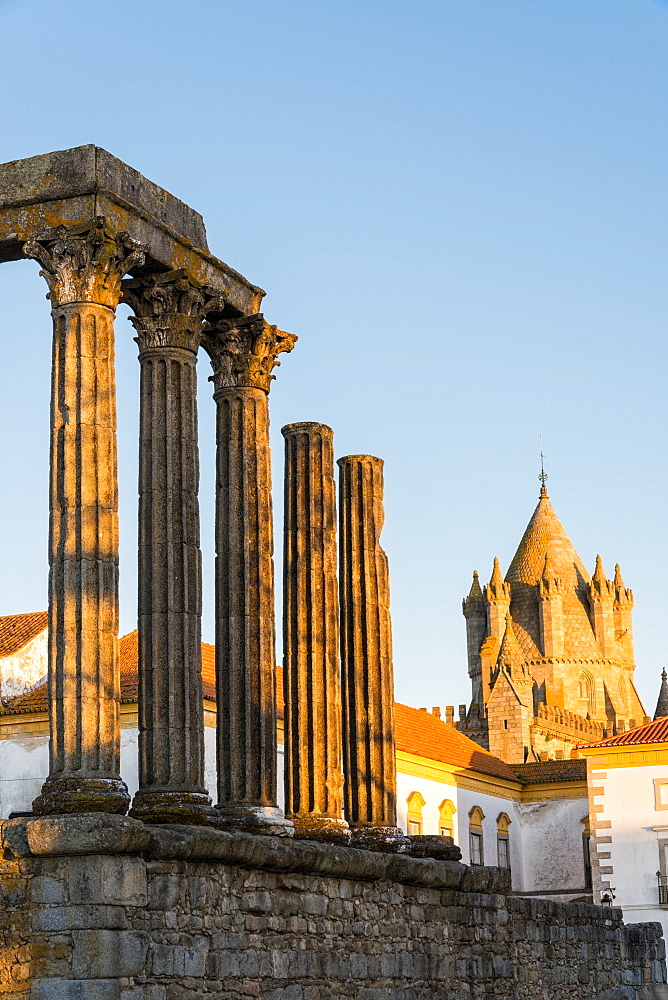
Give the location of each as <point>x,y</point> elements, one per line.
<point>169,310</point>
<point>311,671</point>
<point>243,354</point>
<point>83,269</point>
<point>369,761</point>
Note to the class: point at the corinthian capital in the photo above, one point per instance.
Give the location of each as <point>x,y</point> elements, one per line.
<point>85,263</point>
<point>169,309</point>
<point>244,351</point>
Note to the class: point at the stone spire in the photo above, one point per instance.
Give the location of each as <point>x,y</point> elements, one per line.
<point>474,603</point>
<point>497,596</point>
<point>545,535</point>
<point>662,703</point>
<point>551,609</point>
<point>623,613</point>
<point>475,612</point>
<point>600,585</point>
<point>601,596</point>
<point>511,657</point>
<point>550,582</point>
<point>497,587</point>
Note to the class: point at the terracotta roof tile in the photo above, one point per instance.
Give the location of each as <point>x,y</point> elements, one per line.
<point>538,772</point>
<point>650,732</point>
<point>425,735</point>
<point>36,700</point>
<point>16,631</point>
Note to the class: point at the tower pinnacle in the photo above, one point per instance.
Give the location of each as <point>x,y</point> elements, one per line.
<point>662,703</point>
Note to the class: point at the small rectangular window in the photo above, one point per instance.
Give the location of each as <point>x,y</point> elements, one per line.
<point>503,852</point>
<point>446,831</point>
<point>660,793</point>
<point>414,828</point>
<point>476,848</point>
<point>586,851</point>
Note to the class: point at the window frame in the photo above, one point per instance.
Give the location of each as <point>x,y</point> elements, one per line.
<point>415,802</point>
<point>476,835</point>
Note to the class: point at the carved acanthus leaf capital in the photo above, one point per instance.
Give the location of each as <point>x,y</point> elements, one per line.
<point>169,309</point>
<point>85,263</point>
<point>244,352</point>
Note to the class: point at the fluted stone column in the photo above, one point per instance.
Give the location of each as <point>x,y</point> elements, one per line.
<point>243,354</point>
<point>83,269</point>
<point>366,659</point>
<point>169,310</point>
<point>311,670</point>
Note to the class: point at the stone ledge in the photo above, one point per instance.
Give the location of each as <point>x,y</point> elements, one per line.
<point>99,833</point>
<point>88,833</point>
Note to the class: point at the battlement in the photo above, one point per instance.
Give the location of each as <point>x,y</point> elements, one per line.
<point>565,719</point>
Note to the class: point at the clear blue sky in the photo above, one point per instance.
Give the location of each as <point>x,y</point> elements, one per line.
<point>458,205</point>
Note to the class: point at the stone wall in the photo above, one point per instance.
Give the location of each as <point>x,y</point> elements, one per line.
<point>117,911</point>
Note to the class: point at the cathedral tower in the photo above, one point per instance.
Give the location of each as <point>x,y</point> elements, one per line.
<point>550,649</point>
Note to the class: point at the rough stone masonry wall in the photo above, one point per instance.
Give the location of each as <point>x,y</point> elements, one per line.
<point>191,914</point>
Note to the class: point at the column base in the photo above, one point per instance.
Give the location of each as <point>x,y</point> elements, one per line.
<point>266,821</point>
<point>388,839</point>
<point>325,829</point>
<point>428,846</point>
<point>189,808</point>
<point>74,794</point>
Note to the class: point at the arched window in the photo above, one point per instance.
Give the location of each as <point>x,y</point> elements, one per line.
<point>476,845</point>
<point>587,690</point>
<point>415,804</point>
<point>446,818</point>
<point>503,822</point>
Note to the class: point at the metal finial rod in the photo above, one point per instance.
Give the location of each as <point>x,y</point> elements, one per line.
<point>543,474</point>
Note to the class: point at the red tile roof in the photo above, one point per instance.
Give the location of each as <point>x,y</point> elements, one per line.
<point>16,631</point>
<point>36,701</point>
<point>538,772</point>
<point>425,735</point>
<point>416,732</point>
<point>650,732</point>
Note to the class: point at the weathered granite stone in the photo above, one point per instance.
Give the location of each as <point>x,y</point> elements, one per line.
<point>311,670</point>
<point>83,270</point>
<point>366,659</point>
<point>243,355</point>
<point>91,833</point>
<point>181,929</point>
<point>169,311</point>
<point>428,846</point>
<point>75,989</point>
<point>40,194</point>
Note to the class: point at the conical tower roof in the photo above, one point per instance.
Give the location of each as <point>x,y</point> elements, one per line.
<point>662,703</point>
<point>545,538</point>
